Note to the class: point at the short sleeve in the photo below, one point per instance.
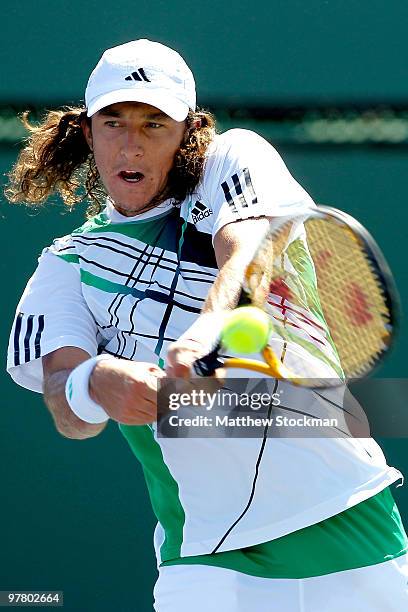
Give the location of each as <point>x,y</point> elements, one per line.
<point>245,178</point>
<point>52,313</point>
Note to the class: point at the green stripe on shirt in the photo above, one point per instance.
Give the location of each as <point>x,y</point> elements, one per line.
<point>366,534</point>
<point>163,489</point>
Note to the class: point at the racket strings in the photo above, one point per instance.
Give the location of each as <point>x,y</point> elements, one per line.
<point>351,293</point>
<point>320,276</point>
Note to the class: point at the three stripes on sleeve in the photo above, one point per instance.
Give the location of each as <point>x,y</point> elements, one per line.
<point>244,191</point>
<point>27,334</point>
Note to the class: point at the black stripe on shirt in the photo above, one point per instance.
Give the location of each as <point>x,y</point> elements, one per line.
<point>249,185</point>
<point>139,252</point>
<point>17,331</point>
<point>228,196</point>
<point>238,191</point>
<point>27,337</point>
<point>37,341</point>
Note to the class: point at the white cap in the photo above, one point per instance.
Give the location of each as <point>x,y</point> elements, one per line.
<point>142,71</point>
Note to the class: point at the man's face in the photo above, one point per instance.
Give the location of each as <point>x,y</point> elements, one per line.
<point>134,145</point>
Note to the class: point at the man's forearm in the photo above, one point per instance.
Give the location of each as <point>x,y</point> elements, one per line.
<point>234,246</point>
<point>66,422</point>
<point>226,290</point>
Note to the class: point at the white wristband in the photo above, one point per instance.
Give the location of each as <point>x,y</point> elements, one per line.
<point>206,329</point>
<point>77,392</point>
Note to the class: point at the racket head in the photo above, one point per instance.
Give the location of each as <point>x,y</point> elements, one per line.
<point>329,293</point>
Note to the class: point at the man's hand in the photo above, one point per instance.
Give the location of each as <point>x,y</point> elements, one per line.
<point>126,390</point>
<point>181,356</point>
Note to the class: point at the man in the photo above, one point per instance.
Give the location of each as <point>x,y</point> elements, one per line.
<point>244,524</point>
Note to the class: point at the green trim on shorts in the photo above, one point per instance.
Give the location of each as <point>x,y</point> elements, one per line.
<point>366,534</point>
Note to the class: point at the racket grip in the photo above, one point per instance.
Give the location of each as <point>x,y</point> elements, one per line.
<point>207,365</point>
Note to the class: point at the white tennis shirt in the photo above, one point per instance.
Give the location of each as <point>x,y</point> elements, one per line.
<point>130,286</point>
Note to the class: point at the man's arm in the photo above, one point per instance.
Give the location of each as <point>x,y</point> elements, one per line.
<point>126,390</point>
<point>234,246</point>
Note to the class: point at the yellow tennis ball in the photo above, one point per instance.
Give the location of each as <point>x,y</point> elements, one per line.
<point>246,330</point>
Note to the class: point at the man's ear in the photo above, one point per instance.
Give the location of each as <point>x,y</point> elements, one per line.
<point>87,132</point>
<point>195,125</point>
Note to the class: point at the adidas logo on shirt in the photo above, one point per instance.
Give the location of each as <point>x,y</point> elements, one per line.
<point>200,212</point>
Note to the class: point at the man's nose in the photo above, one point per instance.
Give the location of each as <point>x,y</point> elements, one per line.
<point>132,144</point>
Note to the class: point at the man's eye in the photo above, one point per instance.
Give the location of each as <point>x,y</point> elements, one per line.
<point>112,123</point>
<point>154,125</point>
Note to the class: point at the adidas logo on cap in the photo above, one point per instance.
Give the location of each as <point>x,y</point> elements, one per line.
<point>138,75</point>
<point>200,212</point>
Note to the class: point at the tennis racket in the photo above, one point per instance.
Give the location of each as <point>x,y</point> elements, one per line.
<point>330,298</point>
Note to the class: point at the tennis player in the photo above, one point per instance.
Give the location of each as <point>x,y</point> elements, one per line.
<point>244,524</point>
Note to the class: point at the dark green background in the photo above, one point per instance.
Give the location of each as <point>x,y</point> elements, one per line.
<point>285,50</point>
<point>74,514</point>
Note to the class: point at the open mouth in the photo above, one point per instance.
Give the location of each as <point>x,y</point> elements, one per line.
<point>131,177</point>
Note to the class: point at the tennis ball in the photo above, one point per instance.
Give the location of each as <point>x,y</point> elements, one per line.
<point>246,330</point>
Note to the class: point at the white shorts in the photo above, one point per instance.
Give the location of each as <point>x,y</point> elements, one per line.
<point>203,588</point>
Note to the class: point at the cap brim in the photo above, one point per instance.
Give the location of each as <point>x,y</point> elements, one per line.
<point>176,109</point>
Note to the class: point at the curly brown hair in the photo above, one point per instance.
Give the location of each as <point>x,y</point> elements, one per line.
<point>57,159</point>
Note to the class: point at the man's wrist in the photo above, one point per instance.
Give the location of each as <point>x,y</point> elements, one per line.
<point>77,392</point>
